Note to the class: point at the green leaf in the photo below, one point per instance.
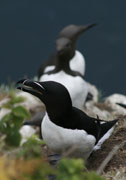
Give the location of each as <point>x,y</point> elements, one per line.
<point>6,118</point>
<point>3,122</point>
<point>13,138</point>
<point>93,176</point>
<point>31,148</point>
<point>17,122</point>
<point>21,112</point>
<point>70,169</point>
<point>7,105</point>
<point>14,100</point>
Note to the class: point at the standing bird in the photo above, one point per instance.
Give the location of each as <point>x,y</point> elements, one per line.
<point>65,126</point>
<point>67,66</point>
<point>62,73</point>
<point>77,60</point>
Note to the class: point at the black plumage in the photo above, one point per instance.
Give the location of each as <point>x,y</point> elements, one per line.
<point>60,111</point>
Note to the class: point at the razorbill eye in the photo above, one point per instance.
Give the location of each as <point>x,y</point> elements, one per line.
<point>65,126</point>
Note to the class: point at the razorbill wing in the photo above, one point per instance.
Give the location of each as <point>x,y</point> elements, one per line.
<point>65,126</point>
<point>62,73</point>
<point>77,61</point>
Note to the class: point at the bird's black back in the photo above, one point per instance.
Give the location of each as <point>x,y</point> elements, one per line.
<point>77,119</point>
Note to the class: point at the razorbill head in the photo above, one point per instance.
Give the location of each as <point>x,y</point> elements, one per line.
<point>72,80</point>
<point>65,50</point>
<point>72,31</point>
<point>65,126</point>
<point>77,61</point>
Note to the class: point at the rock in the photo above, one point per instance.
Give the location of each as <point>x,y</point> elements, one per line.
<point>3,112</point>
<point>26,133</point>
<point>3,101</point>
<point>93,110</point>
<point>111,102</point>
<point>31,102</point>
<point>94,91</point>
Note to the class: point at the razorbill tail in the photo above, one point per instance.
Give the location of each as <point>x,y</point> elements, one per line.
<point>62,73</point>
<point>65,126</point>
<point>77,60</point>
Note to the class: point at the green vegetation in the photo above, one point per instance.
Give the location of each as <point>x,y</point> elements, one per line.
<point>32,148</point>
<point>28,162</point>
<point>74,169</point>
<point>12,122</point>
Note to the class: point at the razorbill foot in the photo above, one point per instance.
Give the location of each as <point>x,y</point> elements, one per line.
<point>65,126</point>
<point>77,61</point>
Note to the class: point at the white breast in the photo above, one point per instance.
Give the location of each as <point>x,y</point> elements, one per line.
<point>60,139</point>
<point>75,85</point>
<point>77,63</point>
<point>49,68</point>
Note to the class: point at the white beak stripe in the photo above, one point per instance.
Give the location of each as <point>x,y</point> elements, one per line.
<point>24,83</point>
<point>39,85</point>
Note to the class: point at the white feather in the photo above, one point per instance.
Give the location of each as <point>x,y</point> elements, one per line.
<point>48,68</point>
<point>60,139</point>
<point>76,86</point>
<point>77,63</point>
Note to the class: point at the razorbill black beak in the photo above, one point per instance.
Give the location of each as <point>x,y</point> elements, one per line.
<point>54,95</point>
<point>84,28</point>
<point>32,87</point>
<point>73,31</point>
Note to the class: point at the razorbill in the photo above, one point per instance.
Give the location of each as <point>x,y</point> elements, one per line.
<point>77,61</point>
<point>62,73</point>
<point>65,126</point>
